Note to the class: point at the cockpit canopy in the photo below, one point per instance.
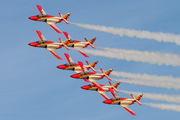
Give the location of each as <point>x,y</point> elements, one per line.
<point>42,41</point>
<point>71,41</point>
<point>84,73</point>
<point>38,16</point>
<point>114,99</point>
<point>70,64</point>
<point>91,85</point>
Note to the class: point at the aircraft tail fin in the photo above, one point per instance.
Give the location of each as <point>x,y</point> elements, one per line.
<point>137,99</point>
<point>64,43</point>
<point>94,64</point>
<point>108,72</point>
<point>116,84</point>
<point>90,42</point>
<point>65,17</point>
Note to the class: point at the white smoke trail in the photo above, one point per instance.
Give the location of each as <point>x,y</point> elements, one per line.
<point>138,56</point>
<point>158,36</point>
<point>172,107</point>
<point>167,85</point>
<point>154,96</point>
<point>146,77</point>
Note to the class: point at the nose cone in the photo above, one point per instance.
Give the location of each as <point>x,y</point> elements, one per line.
<point>85,87</point>
<point>33,18</point>
<point>34,44</point>
<point>75,76</point>
<point>107,102</point>
<point>61,67</point>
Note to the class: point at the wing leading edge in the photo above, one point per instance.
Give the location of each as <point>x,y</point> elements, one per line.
<point>128,109</point>
<point>41,10</point>
<point>54,27</point>
<point>54,53</point>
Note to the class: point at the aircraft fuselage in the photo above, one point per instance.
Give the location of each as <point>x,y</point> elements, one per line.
<point>46,18</point>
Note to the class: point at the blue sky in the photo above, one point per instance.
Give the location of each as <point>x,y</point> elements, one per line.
<point>31,86</point>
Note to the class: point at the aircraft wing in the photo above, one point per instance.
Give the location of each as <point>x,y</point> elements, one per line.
<point>103,94</point>
<point>67,35</point>
<point>96,84</point>
<point>113,92</point>
<point>128,109</point>
<point>68,58</point>
<point>86,80</point>
<point>85,55</point>
<point>82,66</point>
<point>40,35</point>
<point>54,53</point>
<point>54,27</point>
<point>40,9</point>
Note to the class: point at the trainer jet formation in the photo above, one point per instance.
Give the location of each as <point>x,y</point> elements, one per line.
<point>82,71</point>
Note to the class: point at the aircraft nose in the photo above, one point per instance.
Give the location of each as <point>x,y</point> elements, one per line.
<point>34,44</point>
<point>61,67</point>
<point>86,87</point>
<point>29,17</point>
<point>75,76</point>
<point>103,101</point>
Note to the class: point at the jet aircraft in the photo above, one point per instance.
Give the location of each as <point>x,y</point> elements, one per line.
<point>51,20</point>
<point>50,45</point>
<point>79,44</point>
<point>91,76</point>
<point>124,102</point>
<point>106,88</point>
<point>75,66</point>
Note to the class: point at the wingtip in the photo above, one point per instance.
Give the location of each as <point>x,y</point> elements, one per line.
<point>59,58</point>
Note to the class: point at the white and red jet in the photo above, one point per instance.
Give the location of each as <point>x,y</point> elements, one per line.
<point>51,20</point>
<point>79,44</point>
<point>50,45</point>
<point>106,88</point>
<point>75,66</point>
<point>124,102</point>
